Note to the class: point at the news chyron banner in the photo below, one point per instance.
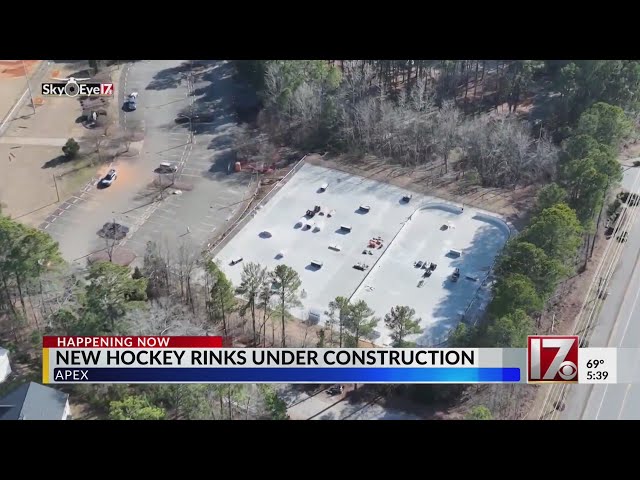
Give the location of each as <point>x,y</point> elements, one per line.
<point>163,359</point>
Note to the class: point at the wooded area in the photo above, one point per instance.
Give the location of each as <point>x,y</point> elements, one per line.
<point>43,296</point>
<point>558,125</point>
<point>555,124</point>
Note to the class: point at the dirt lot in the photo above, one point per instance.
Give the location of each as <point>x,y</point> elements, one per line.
<point>31,155</point>
<point>13,82</point>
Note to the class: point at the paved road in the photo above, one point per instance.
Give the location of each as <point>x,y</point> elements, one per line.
<point>321,406</point>
<point>618,326</point>
<point>165,91</point>
<point>211,192</point>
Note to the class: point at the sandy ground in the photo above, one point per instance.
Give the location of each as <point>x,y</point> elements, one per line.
<point>13,82</point>
<point>30,152</point>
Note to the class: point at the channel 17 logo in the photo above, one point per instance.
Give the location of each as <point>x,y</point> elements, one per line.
<point>552,359</point>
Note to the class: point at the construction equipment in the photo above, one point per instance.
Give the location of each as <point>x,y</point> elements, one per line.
<point>455,275</point>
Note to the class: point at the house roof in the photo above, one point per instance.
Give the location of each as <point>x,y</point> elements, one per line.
<point>32,401</point>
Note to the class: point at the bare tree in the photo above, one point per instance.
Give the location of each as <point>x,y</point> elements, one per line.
<point>166,317</point>
<point>359,80</point>
<point>100,134</point>
<point>110,245</point>
<point>546,159</point>
<point>187,259</point>
<point>447,131</point>
<point>504,153</point>
<point>421,97</point>
<point>306,110</point>
<point>275,84</point>
<point>155,268</point>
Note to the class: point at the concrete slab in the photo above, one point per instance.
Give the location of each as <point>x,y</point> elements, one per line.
<point>429,236</point>
<point>409,231</point>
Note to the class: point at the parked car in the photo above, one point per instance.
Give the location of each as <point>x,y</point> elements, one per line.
<point>109,178</point>
<point>132,104</point>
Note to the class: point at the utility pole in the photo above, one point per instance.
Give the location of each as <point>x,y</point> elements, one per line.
<point>56,185</point>
<point>26,75</point>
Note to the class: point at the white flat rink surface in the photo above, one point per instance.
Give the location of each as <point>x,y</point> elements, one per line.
<point>391,278</point>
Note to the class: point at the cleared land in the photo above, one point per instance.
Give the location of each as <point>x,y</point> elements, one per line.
<point>409,231</point>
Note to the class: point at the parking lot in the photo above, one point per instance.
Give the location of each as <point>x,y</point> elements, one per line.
<point>209,195</point>
<point>406,232</point>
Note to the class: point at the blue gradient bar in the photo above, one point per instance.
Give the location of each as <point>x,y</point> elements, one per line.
<point>290,375</point>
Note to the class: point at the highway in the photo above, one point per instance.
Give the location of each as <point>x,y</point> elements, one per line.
<point>617,325</point>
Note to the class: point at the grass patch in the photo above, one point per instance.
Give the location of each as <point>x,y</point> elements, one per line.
<point>83,171</point>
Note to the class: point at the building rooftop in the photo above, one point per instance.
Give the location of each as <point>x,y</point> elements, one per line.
<point>32,401</point>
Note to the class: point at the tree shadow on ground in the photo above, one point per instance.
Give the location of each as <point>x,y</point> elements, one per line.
<point>169,77</point>
<point>213,109</point>
<point>54,162</point>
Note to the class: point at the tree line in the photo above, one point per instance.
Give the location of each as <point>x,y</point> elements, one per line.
<point>425,112</point>
<point>546,252</point>
<point>41,295</point>
<point>358,107</point>
<point>347,322</point>
<point>416,117</point>
<point>409,111</point>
